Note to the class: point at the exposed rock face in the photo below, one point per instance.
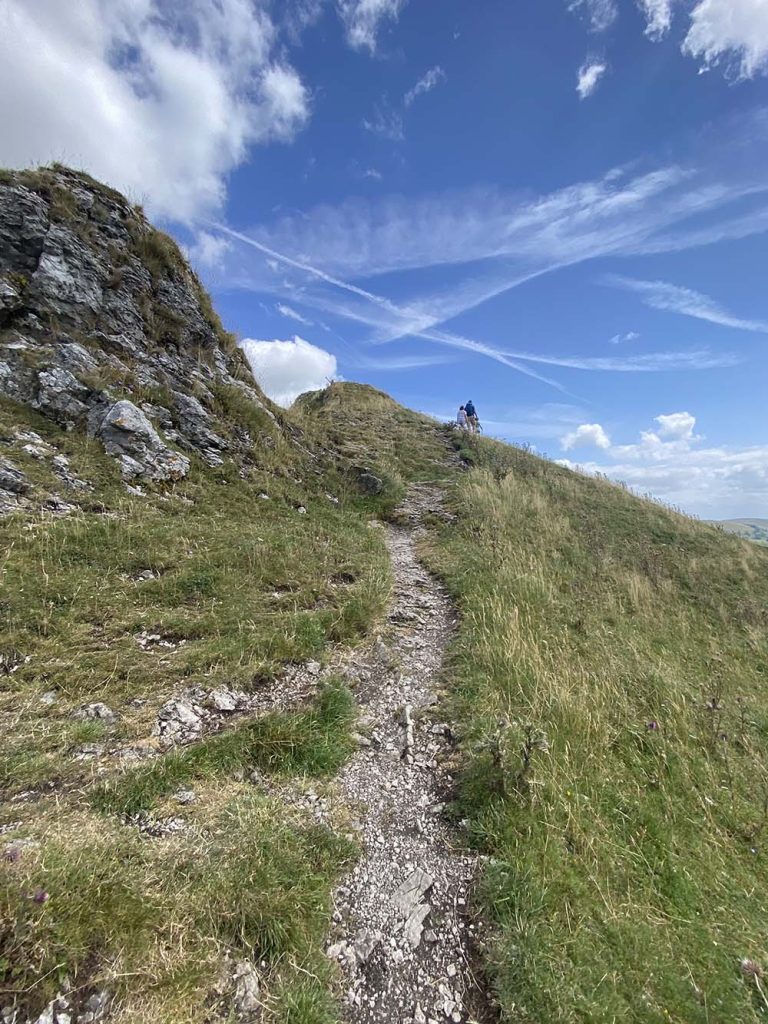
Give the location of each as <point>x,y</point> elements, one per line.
<point>130,437</point>
<point>100,313</point>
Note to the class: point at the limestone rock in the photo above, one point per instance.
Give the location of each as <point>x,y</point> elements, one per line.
<point>61,395</point>
<point>12,479</point>
<point>97,711</point>
<point>409,893</point>
<point>247,988</point>
<point>179,721</point>
<point>129,436</point>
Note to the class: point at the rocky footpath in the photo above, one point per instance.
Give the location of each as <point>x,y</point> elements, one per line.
<point>104,328</point>
<point>404,932</point>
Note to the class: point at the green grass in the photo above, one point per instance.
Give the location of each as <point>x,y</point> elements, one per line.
<point>369,430</point>
<point>152,919</point>
<point>609,677</point>
<point>312,742</point>
<point>249,585</point>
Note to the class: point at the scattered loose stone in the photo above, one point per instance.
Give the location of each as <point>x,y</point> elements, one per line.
<point>411,872</point>
<point>95,711</point>
<point>247,988</point>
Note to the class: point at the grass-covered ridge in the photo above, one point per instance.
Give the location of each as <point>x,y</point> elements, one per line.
<point>610,676</point>
<point>241,573</point>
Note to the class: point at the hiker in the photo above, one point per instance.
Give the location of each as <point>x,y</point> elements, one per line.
<point>472,417</point>
<point>461,418</point>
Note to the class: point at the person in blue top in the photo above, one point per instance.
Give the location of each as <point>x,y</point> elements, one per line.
<point>472,417</point>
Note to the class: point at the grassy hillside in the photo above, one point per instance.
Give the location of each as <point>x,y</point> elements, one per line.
<point>607,683</point>
<point>233,583</point>
<point>750,529</point>
<point>610,678</point>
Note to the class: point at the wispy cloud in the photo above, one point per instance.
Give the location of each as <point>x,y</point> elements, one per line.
<point>401,362</point>
<point>425,84</point>
<point>495,242</point>
<point>660,210</point>
<point>674,299</point>
<point>385,122</point>
<point>292,314</point>
<point>589,77</point>
<point>619,339</point>
<point>601,13</point>
<point>363,20</point>
<point>658,15</point>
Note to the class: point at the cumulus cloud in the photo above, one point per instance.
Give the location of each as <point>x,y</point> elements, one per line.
<point>285,369</point>
<point>425,84</point>
<point>671,464</point>
<point>363,19</point>
<point>601,13</point>
<point>674,299</point>
<point>730,32</point>
<point>677,425</point>
<point>658,15</point>
<point>588,78</point>
<point>161,102</point>
<point>587,434</point>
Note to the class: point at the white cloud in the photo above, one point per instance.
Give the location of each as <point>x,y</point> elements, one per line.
<point>425,84</point>
<point>619,339</point>
<point>209,251</point>
<point>674,299</point>
<point>386,122</point>
<point>601,13</point>
<point>587,434</point>
<point>362,20</point>
<point>619,214</point>
<point>292,314</point>
<point>392,322</point>
<point>161,102</point>
<point>734,32</point>
<point>714,482</point>
<point>588,78</point>
<point>285,369</point>
<point>658,14</point>
<point>373,174</point>
<point>677,425</point>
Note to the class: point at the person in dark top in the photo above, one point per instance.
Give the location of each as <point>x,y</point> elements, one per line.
<point>472,416</point>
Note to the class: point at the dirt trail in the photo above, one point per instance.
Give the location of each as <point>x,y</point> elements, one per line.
<point>403,933</point>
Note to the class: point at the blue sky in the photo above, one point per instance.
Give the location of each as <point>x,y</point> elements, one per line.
<point>556,209</point>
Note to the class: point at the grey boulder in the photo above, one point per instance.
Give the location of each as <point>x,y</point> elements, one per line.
<point>128,435</point>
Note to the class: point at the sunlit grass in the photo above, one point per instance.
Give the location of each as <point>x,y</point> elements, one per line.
<point>609,674</point>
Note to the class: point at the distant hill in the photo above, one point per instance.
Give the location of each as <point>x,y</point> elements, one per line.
<point>750,529</point>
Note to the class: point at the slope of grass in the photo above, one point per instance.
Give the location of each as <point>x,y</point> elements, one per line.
<point>370,430</point>
<point>236,582</point>
<point>609,675</point>
<point>156,921</point>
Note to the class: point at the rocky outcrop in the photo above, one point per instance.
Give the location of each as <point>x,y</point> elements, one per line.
<point>104,328</point>
<point>128,435</point>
